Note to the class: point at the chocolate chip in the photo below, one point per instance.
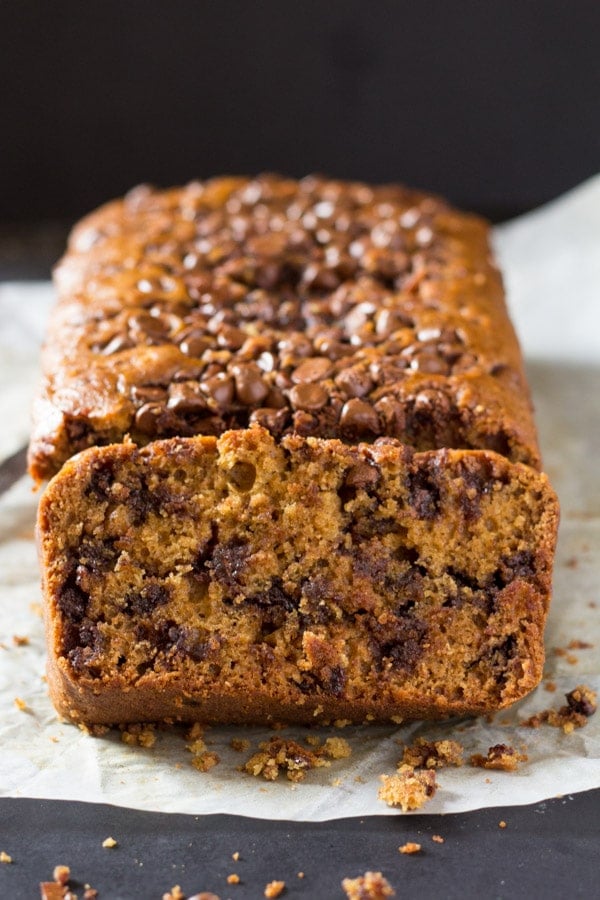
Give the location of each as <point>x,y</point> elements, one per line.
<point>424,491</point>
<point>274,420</point>
<point>581,702</point>
<point>359,419</point>
<point>144,602</point>
<point>72,601</point>
<point>229,563</point>
<point>195,343</point>
<point>362,475</point>
<point>147,418</point>
<point>315,368</point>
<point>309,397</point>
<point>249,385</point>
<point>220,389</point>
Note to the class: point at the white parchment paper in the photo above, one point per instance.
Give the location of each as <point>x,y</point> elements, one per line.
<point>551,260</point>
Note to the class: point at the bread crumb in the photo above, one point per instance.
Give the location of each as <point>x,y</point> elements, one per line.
<point>313,740</point>
<point>61,874</point>
<point>502,824</point>
<point>274,889</point>
<point>233,878</point>
<point>370,886</point>
<point>550,686</point>
<point>109,843</point>
<point>240,744</point>
<point>300,874</point>
<point>20,704</point>
<point>336,748</point>
<point>342,723</point>
<point>437,838</point>
<point>90,893</point>
<point>194,732</point>
<point>574,645</point>
<point>433,754</point>
<point>409,848</point>
<point>235,856</point>
<point>174,894</point>
<point>279,755</point>
<point>5,857</point>
<point>581,704</point>
<point>410,789</point>
<point>501,757</point>
<point>139,735</point>
<point>204,762</point>
<point>20,640</point>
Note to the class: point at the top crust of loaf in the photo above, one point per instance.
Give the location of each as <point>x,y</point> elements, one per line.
<point>316,307</point>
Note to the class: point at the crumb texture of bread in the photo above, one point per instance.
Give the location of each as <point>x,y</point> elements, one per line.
<point>249,579</point>
<point>314,307</point>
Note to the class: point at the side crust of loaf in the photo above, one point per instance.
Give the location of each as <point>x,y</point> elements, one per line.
<point>244,579</point>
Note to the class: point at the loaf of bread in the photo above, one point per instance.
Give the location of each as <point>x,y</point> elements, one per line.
<point>315,307</point>
<point>320,495</point>
<point>302,580</point>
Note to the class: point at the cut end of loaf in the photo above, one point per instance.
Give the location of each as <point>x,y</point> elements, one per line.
<point>248,579</point>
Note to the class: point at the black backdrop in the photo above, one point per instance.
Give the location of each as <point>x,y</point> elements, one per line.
<point>495,104</point>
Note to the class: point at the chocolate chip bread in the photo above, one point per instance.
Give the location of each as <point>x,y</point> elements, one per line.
<point>322,497</point>
<point>301,580</point>
<point>314,307</point>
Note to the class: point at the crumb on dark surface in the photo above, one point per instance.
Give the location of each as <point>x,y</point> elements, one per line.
<point>410,848</point>
<point>370,886</point>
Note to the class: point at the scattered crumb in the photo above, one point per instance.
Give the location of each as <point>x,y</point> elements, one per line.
<point>139,735</point>
<point>109,843</point>
<point>559,651</point>
<point>300,874</point>
<point>342,723</point>
<point>571,563</point>
<point>20,704</point>
<point>313,740</point>
<point>61,874</point>
<point>90,893</point>
<point>235,856</point>
<point>20,640</point>
<point>501,757</point>
<point>397,720</point>
<point>437,838</point>
<point>581,704</point>
<point>240,744</point>
<point>409,848</point>
<point>336,748</point>
<point>279,755</point>
<point>198,746</point>
<point>370,886</point>
<point>336,782</point>
<point>93,730</point>
<point>502,824</point>
<point>5,857</point>
<point>274,889</point>
<point>550,686</point>
<point>410,789</point>
<point>194,732</point>
<point>204,762</point>
<point>233,878</point>
<point>359,779</point>
<point>572,659</point>
<point>574,645</point>
<point>51,890</point>
<point>174,894</point>
<point>433,754</point>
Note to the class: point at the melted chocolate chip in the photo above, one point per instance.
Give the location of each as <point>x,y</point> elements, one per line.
<point>228,564</point>
<point>424,491</point>
<point>399,642</point>
<point>145,601</point>
<point>72,601</point>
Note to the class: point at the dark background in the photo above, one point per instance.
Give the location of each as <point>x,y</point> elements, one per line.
<point>494,104</point>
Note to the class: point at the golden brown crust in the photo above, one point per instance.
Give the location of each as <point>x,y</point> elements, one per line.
<point>244,579</point>
<point>317,307</point>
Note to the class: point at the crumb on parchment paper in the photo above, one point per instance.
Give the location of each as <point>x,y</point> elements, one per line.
<point>409,789</point>
<point>500,757</point>
<point>433,754</point>
<point>581,705</point>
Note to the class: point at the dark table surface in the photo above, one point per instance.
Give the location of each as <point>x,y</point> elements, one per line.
<point>546,850</point>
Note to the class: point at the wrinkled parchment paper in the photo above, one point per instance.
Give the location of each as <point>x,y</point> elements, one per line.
<point>551,261</point>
